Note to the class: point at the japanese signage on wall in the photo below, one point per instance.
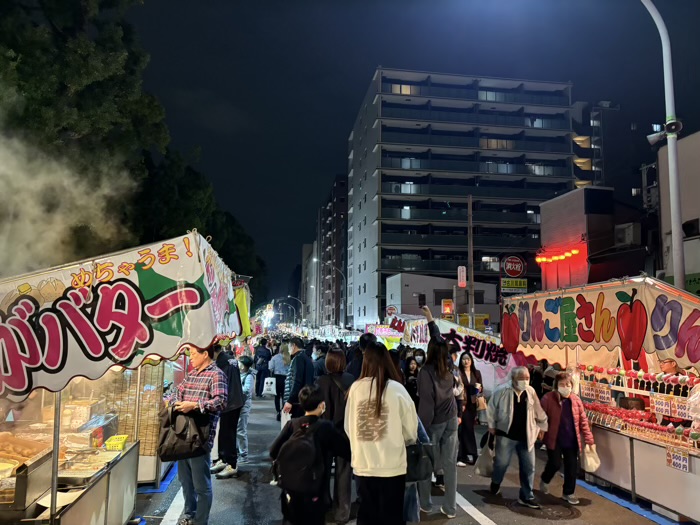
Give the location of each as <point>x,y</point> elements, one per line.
<point>117,310</point>
<point>510,285</point>
<point>635,316</point>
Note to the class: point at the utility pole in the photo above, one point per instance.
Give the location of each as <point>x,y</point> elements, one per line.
<point>470,240</point>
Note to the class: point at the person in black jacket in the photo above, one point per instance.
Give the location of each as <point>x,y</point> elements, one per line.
<point>301,374</point>
<point>471,379</point>
<point>226,466</point>
<point>411,375</point>
<point>355,366</point>
<point>262,364</point>
<point>310,509</point>
<point>334,386</point>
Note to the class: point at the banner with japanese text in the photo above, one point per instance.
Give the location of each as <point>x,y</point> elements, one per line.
<point>83,318</point>
<point>634,317</point>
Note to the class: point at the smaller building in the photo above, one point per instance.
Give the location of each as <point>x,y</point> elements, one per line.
<point>689,168</point>
<point>309,280</point>
<point>405,292</point>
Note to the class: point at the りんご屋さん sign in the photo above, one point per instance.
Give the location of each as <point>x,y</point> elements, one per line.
<point>631,315</point>
<point>118,309</point>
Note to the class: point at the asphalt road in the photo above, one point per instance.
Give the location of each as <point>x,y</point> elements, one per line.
<point>251,500</point>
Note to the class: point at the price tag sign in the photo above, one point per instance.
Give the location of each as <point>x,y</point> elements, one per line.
<point>588,390</point>
<point>660,404</point>
<point>604,394</point>
<point>679,408</point>
<point>677,458</point>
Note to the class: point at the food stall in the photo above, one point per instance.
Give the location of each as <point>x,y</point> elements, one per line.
<point>619,335</point>
<point>490,357</point>
<point>80,347</point>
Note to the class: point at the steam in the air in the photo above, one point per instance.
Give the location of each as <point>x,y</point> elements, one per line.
<point>42,204</point>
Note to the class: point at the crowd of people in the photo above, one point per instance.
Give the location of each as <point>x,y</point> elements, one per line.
<point>349,412</point>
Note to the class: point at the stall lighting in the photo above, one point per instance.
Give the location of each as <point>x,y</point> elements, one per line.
<point>567,254</point>
<point>555,258</point>
<point>574,252</point>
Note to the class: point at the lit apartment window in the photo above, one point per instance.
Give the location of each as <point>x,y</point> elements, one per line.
<point>489,263</point>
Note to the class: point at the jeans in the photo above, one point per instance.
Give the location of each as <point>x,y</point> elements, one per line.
<point>195,479</point>
<point>526,461</point>
<point>342,490</point>
<point>243,432</point>
<point>554,461</point>
<point>445,443</point>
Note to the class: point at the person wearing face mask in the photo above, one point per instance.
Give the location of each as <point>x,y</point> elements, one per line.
<point>568,432</point>
<point>516,419</point>
<point>420,357</point>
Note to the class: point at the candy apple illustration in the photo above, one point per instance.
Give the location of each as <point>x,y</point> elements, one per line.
<point>511,330</point>
<point>631,324</point>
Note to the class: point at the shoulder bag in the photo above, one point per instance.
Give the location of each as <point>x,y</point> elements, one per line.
<point>183,436</point>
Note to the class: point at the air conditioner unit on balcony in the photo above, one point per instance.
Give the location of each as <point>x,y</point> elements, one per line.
<point>629,234</point>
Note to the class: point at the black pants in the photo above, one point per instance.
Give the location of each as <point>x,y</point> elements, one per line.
<point>228,431</point>
<point>342,490</point>
<point>381,500</point>
<point>280,391</point>
<point>260,380</point>
<point>467,438</point>
<point>554,461</point>
<point>300,509</point>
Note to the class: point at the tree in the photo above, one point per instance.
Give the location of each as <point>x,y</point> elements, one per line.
<point>71,74</point>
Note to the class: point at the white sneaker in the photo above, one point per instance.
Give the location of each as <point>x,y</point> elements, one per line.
<point>217,467</point>
<point>571,499</point>
<point>442,509</point>
<point>461,464</point>
<point>227,473</point>
<point>544,487</point>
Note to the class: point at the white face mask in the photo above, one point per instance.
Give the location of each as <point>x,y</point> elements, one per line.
<point>419,359</point>
<point>565,391</point>
<point>521,385</point>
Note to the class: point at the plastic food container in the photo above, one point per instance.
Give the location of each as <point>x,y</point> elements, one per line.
<point>116,442</point>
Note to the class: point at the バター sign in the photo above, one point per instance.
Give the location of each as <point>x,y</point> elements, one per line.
<point>82,319</point>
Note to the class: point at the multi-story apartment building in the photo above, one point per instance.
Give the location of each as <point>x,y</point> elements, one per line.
<point>333,228</point>
<point>421,145</point>
<point>309,282</point>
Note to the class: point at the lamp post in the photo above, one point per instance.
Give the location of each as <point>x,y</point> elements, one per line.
<point>345,288</point>
<point>293,309</point>
<point>672,128</point>
<point>300,302</point>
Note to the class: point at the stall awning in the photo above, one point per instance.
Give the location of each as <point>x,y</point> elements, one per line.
<point>632,315</point>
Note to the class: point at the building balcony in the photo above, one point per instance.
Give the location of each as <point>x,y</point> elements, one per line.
<point>480,241</point>
<point>483,192</point>
<point>495,168</point>
<point>394,137</point>
<point>479,217</point>
<point>438,266</point>
<point>437,115</point>
<point>473,93</point>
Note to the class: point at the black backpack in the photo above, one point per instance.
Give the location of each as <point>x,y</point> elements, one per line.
<point>300,466</point>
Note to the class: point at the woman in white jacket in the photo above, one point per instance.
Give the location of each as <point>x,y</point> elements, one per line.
<point>380,420</point>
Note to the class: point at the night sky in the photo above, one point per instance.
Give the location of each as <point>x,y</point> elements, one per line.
<point>269,90</point>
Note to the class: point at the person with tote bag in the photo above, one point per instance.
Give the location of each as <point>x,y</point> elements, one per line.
<point>568,432</point>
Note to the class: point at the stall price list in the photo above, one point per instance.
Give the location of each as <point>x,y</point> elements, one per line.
<point>670,406</point>
<point>677,458</point>
<point>596,391</point>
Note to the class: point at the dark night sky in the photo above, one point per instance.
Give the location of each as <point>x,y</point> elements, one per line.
<point>269,89</point>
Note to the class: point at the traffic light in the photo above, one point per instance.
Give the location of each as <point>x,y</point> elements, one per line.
<point>448,307</point>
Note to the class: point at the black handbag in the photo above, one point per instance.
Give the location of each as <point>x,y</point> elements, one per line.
<point>183,436</point>
<point>419,462</point>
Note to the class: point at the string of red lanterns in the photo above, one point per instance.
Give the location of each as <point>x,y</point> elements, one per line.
<point>541,259</point>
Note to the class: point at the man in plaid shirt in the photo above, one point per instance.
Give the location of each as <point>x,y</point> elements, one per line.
<point>205,389</point>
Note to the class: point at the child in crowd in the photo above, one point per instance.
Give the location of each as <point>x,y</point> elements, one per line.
<point>248,384</point>
<point>302,454</point>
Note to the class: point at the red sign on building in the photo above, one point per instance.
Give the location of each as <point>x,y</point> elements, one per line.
<point>514,266</point>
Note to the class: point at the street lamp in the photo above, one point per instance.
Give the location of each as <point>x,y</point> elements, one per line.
<point>345,287</point>
<point>672,128</point>
<point>293,309</point>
